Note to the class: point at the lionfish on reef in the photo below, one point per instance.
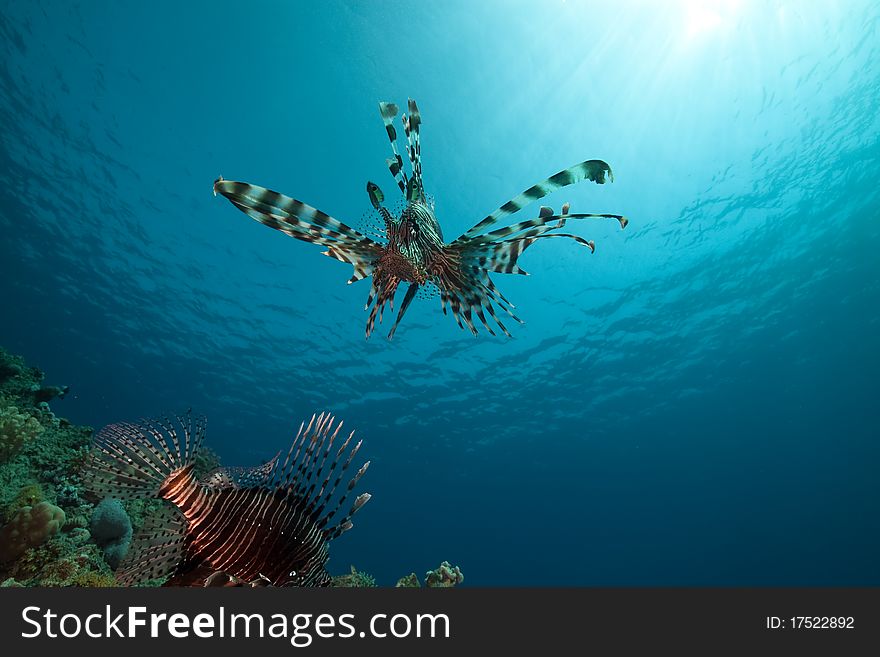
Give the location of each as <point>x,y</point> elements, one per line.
<point>268,525</point>
<point>407,246</point>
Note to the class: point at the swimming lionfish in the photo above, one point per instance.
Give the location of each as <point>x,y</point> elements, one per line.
<point>409,246</point>
<point>270,524</point>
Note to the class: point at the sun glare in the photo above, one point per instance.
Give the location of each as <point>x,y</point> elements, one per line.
<point>703,17</point>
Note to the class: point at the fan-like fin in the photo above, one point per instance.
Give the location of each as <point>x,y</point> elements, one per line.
<point>157,549</point>
<point>594,170</point>
<point>303,222</point>
<point>129,461</point>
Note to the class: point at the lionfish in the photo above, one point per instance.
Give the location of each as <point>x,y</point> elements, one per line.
<point>268,525</point>
<point>409,246</point>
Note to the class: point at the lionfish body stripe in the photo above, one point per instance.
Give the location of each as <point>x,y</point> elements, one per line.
<point>410,248</point>
<point>270,523</point>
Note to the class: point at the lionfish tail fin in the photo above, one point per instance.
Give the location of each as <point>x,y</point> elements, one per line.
<point>594,170</point>
<point>156,550</point>
<point>314,468</point>
<point>129,461</point>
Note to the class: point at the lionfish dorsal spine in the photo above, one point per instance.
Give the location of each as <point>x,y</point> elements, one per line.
<point>240,477</point>
<point>389,111</point>
<point>306,472</point>
<point>322,503</point>
<point>279,474</point>
<point>411,125</point>
<point>319,451</point>
<point>312,444</point>
<point>325,494</point>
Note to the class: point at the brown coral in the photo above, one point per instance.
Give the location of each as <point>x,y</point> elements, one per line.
<point>410,581</point>
<point>445,576</point>
<point>355,579</point>
<point>31,526</point>
<point>15,430</point>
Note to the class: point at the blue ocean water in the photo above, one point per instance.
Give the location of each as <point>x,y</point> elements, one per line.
<point>693,404</point>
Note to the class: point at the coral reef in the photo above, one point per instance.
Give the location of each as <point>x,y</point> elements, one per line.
<point>16,429</point>
<point>51,532</point>
<point>31,526</point>
<point>47,394</point>
<point>43,516</point>
<point>354,579</point>
<point>28,495</point>
<point>410,581</point>
<point>70,559</point>
<point>445,576</point>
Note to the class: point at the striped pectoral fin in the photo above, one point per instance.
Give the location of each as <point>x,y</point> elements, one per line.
<point>495,294</point>
<point>383,292</point>
<point>303,222</point>
<point>491,311</point>
<point>360,273</point>
<point>362,259</point>
<point>502,257</point>
<point>157,549</point>
<point>530,228</point>
<point>594,170</point>
<point>128,461</point>
<point>467,293</point>
<point>285,213</point>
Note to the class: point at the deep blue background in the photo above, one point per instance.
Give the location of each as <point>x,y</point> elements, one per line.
<point>694,404</point>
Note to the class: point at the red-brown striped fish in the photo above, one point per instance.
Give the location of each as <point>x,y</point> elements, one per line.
<point>409,247</point>
<point>270,524</point>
